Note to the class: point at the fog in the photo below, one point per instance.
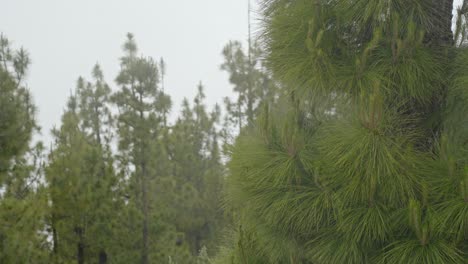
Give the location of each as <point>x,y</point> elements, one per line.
<point>66,38</point>
<point>348,146</point>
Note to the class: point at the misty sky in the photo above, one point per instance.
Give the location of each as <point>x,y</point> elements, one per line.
<point>65,38</point>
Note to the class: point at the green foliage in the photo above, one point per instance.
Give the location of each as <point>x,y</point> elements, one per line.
<point>154,199</point>
<point>368,162</point>
<point>196,169</point>
<point>144,159</point>
<point>21,221</point>
<point>17,111</point>
<point>22,201</point>
<point>252,84</point>
<point>172,174</point>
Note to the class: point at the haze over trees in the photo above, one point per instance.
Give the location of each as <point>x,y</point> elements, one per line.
<point>346,141</point>
<point>121,183</point>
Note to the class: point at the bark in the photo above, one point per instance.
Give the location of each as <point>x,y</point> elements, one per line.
<point>144,193</point>
<point>102,257</point>
<point>440,31</point>
<point>144,197</point>
<point>54,237</point>
<point>80,246</point>
<point>80,256</point>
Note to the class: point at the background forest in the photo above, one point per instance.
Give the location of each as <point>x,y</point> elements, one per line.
<point>121,183</point>
<point>346,142</point>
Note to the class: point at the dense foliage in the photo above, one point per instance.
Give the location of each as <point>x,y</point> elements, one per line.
<point>123,181</point>
<point>346,142</point>
<point>367,160</point>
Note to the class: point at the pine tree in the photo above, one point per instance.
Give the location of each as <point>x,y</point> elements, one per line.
<point>142,107</point>
<point>198,172</point>
<point>22,201</point>
<point>165,100</point>
<point>367,160</point>
<point>23,235</point>
<point>67,188</point>
<point>251,81</point>
<point>81,179</point>
<point>96,122</point>
<point>17,111</point>
<point>72,181</point>
<point>136,123</point>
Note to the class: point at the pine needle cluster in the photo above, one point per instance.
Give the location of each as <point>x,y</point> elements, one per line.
<point>366,161</point>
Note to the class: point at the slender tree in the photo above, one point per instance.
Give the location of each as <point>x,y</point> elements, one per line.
<point>198,172</point>
<point>252,84</point>
<point>165,99</point>
<point>80,176</point>
<point>96,122</point>
<point>140,123</point>
<point>137,122</point>
<point>68,188</point>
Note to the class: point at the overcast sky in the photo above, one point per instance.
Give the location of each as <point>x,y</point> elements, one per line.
<point>66,38</point>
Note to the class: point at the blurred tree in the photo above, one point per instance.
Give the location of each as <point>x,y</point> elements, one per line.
<point>198,171</point>
<point>81,179</point>
<point>252,83</point>
<point>140,125</point>
<point>17,111</point>
<point>96,122</point>
<point>22,202</point>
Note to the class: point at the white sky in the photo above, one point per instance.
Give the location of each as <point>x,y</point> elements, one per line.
<point>66,38</point>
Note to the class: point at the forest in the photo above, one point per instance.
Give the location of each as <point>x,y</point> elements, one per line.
<point>346,141</point>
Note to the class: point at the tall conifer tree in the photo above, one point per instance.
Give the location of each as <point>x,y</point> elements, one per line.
<point>96,122</point>
<point>253,85</point>
<point>22,202</point>
<point>81,179</point>
<point>142,107</point>
<point>198,172</point>
<point>369,162</point>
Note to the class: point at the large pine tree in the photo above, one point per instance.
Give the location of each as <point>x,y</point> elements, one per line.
<point>93,100</point>
<point>143,107</point>
<point>81,180</point>
<point>369,161</point>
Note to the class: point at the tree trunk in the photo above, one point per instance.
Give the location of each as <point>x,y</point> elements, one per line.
<point>80,256</point>
<point>144,198</point>
<point>440,32</point>
<point>102,257</point>
<point>80,246</point>
<point>54,238</point>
